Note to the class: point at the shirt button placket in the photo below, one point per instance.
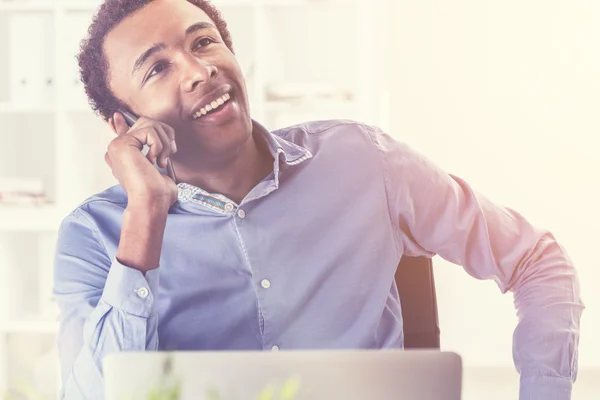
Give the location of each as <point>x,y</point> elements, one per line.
<point>266,284</point>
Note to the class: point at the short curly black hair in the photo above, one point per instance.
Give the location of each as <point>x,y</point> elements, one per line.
<point>93,65</point>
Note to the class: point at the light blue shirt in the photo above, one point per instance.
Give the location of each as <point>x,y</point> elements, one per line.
<point>307,261</point>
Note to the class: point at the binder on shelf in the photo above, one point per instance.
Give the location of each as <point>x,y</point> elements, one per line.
<point>30,60</point>
<point>74,94</point>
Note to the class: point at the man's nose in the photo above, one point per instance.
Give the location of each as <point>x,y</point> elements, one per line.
<point>197,72</point>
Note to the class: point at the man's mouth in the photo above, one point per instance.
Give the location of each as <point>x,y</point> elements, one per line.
<point>213,106</point>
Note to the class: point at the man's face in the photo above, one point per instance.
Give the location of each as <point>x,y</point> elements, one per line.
<point>168,62</point>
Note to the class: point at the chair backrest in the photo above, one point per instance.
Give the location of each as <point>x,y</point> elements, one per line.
<point>416,287</point>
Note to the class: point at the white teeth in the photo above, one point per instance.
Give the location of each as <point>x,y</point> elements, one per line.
<point>212,106</point>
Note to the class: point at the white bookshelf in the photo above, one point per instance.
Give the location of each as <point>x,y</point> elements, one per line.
<point>49,132</point>
<point>10,108</point>
<point>31,325</point>
<point>18,218</point>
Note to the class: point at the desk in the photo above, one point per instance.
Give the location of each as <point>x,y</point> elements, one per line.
<point>503,384</point>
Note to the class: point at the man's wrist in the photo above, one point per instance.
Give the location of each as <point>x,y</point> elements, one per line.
<point>142,233</point>
<point>147,206</point>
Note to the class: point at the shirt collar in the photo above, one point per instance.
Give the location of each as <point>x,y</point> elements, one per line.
<point>281,149</point>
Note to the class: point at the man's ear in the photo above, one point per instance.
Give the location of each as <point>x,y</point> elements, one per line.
<point>111,123</point>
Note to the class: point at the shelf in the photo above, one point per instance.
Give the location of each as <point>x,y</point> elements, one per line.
<point>27,5</point>
<point>304,3</point>
<point>78,5</point>
<point>49,5</point>
<point>303,106</point>
<point>77,108</point>
<point>9,108</point>
<point>92,5</point>
<point>234,3</point>
<point>24,218</point>
<point>30,325</point>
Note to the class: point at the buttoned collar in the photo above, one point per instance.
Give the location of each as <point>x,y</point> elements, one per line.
<point>282,151</point>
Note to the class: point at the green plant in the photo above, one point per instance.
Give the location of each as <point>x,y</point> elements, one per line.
<point>288,391</point>
<point>171,392</point>
<point>24,391</point>
<point>170,388</point>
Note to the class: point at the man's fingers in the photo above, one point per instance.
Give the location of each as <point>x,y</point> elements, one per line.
<point>153,141</point>
<point>121,126</point>
<point>171,135</point>
<point>167,147</point>
<point>153,135</point>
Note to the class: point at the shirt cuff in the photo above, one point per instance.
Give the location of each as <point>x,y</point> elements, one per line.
<point>127,289</point>
<point>545,388</point>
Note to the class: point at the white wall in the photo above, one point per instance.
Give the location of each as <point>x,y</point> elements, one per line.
<point>506,94</point>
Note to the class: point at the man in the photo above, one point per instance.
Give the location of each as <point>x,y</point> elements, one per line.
<point>285,239</point>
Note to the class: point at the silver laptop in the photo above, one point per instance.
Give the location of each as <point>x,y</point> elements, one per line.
<point>284,375</point>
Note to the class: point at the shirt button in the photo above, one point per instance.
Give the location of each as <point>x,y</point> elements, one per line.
<point>229,207</point>
<point>142,292</point>
<point>265,283</point>
<point>241,214</point>
<point>184,194</point>
<point>275,348</point>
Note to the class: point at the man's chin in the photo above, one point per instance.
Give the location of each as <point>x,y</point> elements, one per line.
<point>229,133</point>
<point>233,126</point>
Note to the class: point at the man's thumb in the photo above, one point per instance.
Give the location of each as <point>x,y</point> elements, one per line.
<point>120,124</point>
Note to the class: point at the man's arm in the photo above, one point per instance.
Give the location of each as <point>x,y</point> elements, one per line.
<point>105,306</point>
<point>438,213</point>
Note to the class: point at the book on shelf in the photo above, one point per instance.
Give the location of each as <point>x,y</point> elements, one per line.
<point>22,191</point>
<point>30,59</point>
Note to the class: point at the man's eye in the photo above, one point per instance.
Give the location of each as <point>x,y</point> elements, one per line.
<point>203,42</point>
<point>158,68</point>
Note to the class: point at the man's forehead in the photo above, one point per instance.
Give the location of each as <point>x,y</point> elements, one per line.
<point>159,21</point>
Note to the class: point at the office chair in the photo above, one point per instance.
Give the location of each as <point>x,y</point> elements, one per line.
<point>416,287</point>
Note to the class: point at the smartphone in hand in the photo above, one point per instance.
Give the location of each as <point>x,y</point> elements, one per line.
<point>169,171</point>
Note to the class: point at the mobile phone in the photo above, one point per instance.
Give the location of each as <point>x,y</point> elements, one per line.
<point>169,171</point>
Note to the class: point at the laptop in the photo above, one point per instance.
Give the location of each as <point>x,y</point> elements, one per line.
<point>284,375</point>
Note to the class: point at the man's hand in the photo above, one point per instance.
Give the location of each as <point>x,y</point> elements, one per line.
<point>136,173</point>
<point>150,194</point>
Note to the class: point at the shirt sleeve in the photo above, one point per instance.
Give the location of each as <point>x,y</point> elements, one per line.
<point>105,307</point>
<point>439,213</point>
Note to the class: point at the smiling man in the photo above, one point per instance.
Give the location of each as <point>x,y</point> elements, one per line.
<point>287,239</point>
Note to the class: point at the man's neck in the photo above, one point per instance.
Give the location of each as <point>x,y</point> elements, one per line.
<point>234,177</point>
